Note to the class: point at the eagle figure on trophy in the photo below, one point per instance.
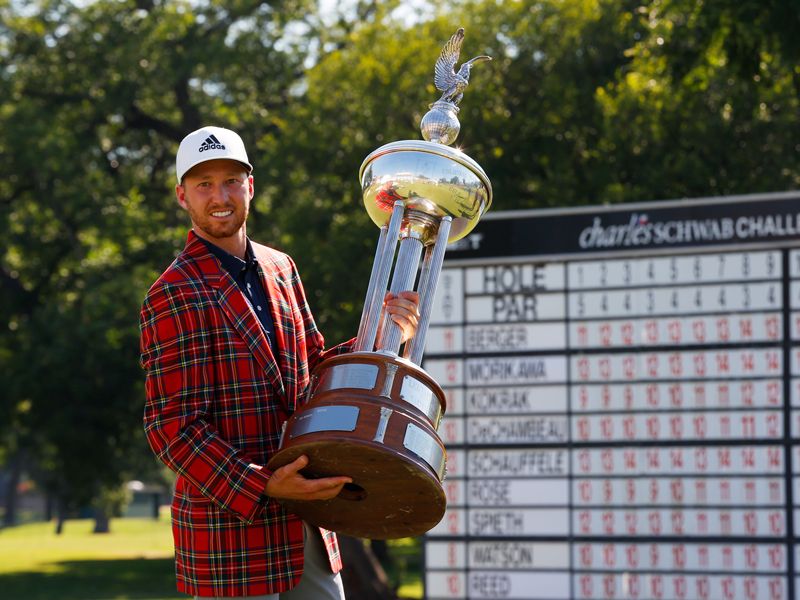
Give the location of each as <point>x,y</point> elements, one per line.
<point>440,124</point>
<point>449,82</point>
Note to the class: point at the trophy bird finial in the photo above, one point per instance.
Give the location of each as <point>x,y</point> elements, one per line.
<point>447,80</point>
<point>440,124</point>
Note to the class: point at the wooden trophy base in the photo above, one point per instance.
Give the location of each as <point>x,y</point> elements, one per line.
<point>372,418</point>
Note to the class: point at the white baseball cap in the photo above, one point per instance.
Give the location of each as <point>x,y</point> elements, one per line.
<point>209,143</point>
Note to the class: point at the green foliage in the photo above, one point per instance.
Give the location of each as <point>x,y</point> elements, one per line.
<point>708,105</point>
<point>586,101</point>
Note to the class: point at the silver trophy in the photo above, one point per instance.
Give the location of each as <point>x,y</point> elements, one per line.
<point>373,414</point>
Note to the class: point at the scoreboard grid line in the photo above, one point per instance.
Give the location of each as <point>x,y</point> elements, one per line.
<point>791,538</point>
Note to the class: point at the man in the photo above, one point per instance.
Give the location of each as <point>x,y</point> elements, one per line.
<point>228,343</point>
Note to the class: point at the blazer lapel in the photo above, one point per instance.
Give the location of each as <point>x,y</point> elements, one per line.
<point>239,313</point>
<point>283,319</point>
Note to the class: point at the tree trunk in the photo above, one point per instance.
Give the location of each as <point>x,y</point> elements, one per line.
<point>156,505</point>
<point>363,576</point>
<point>61,516</point>
<point>102,524</point>
<point>381,551</point>
<point>12,497</point>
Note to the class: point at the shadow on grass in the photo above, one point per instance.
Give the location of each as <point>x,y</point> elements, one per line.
<point>95,580</point>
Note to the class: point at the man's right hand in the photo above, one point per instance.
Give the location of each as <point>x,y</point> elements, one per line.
<point>287,483</point>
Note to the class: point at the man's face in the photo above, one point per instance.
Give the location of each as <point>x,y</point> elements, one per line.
<point>217,196</point>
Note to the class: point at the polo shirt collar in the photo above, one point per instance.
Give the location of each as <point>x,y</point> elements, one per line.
<point>232,264</point>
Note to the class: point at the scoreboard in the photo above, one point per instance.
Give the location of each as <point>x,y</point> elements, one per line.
<point>623,390</point>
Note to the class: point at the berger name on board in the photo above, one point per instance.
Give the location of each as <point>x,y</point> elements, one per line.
<point>497,338</point>
<point>517,337</point>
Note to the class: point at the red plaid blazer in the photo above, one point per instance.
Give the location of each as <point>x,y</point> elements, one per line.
<point>216,400</point>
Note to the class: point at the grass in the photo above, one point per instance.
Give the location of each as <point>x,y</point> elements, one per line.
<point>133,562</point>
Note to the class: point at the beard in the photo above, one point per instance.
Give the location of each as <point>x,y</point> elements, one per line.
<point>216,228</point>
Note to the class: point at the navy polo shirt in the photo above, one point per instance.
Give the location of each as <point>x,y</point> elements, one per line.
<point>245,274</point>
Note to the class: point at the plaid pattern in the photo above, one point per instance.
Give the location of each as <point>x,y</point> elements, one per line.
<point>216,400</point>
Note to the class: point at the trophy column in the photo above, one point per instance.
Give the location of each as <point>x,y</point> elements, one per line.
<point>373,414</point>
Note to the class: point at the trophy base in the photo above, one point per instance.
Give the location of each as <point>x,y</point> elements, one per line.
<point>388,499</point>
<point>388,447</point>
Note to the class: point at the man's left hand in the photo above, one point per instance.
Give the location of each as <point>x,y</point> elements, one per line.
<point>403,309</point>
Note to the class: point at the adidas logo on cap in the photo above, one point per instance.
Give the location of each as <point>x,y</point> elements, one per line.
<point>211,143</point>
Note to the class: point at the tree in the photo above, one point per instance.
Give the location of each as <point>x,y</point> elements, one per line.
<point>709,103</point>
<point>95,100</point>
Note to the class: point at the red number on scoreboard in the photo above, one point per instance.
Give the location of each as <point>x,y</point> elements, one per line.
<point>626,332</point>
<point>586,586</point>
<point>703,588</point>
<point>750,588</point>
<point>699,331</point>
<point>679,587</point>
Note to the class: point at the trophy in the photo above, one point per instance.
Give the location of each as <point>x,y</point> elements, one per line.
<point>373,414</point>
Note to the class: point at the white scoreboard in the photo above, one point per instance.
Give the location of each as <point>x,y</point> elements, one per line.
<point>623,389</point>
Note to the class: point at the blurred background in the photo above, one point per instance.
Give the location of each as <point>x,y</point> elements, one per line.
<point>586,102</point>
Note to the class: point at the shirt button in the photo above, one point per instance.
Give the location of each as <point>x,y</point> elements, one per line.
<point>259,308</point>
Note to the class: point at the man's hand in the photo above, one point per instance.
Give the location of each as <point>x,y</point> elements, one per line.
<point>403,309</point>
<point>288,484</point>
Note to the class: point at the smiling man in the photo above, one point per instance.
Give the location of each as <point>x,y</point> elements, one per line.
<point>228,343</point>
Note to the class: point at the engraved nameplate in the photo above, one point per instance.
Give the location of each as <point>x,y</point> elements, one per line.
<point>361,376</point>
<point>325,418</point>
<point>420,396</point>
<point>424,445</point>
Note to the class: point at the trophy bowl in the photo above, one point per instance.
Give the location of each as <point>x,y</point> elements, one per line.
<point>373,414</point>
<point>428,177</point>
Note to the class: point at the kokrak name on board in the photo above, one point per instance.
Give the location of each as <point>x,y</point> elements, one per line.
<point>641,231</point>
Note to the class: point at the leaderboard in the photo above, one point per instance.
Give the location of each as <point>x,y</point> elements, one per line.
<point>623,400</point>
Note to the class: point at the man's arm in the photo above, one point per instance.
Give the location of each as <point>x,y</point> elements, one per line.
<point>175,354</point>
